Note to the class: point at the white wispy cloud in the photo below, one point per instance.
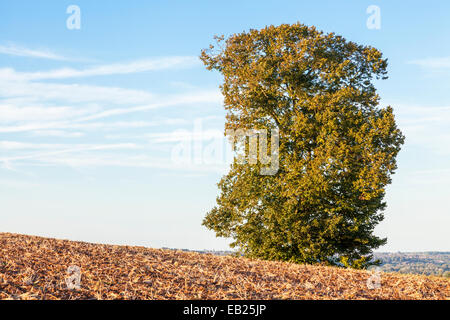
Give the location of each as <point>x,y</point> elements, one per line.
<point>78,118</point>
<point>31,105</point>
<point>61,110</point>
<point>59,149</point>
<point>432,63</point>
<point>211,96</point>
<point>10,113</point>
<point>425,127</point>
<point>14,50</point>
<point>100,155</point>
<point>185,135</point>
<point>413,114</point>
<point>136,66</point>
<point>58,133</point>
<point>26,93</point>
<point>18,145</point>
<point>77,160</point>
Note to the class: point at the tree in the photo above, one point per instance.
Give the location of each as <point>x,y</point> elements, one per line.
<point>337,148</point>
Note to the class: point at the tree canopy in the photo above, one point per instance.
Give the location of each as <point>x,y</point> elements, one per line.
<point>337,147</point>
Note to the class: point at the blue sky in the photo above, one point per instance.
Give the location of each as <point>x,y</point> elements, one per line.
<point>91,118</point>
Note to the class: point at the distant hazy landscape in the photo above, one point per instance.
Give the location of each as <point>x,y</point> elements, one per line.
<point>427,263</point>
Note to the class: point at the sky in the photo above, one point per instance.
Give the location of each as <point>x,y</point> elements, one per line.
<point>111,129</point>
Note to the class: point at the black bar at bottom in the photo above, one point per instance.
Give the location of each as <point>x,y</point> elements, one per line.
<point>225,309</point>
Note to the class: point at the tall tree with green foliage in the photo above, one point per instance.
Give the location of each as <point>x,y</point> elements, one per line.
<point>337,147</point>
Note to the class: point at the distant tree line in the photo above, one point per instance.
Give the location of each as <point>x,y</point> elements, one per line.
<point>426,263</point>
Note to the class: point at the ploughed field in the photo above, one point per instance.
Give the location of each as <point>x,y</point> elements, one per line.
<point>41,268</point>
